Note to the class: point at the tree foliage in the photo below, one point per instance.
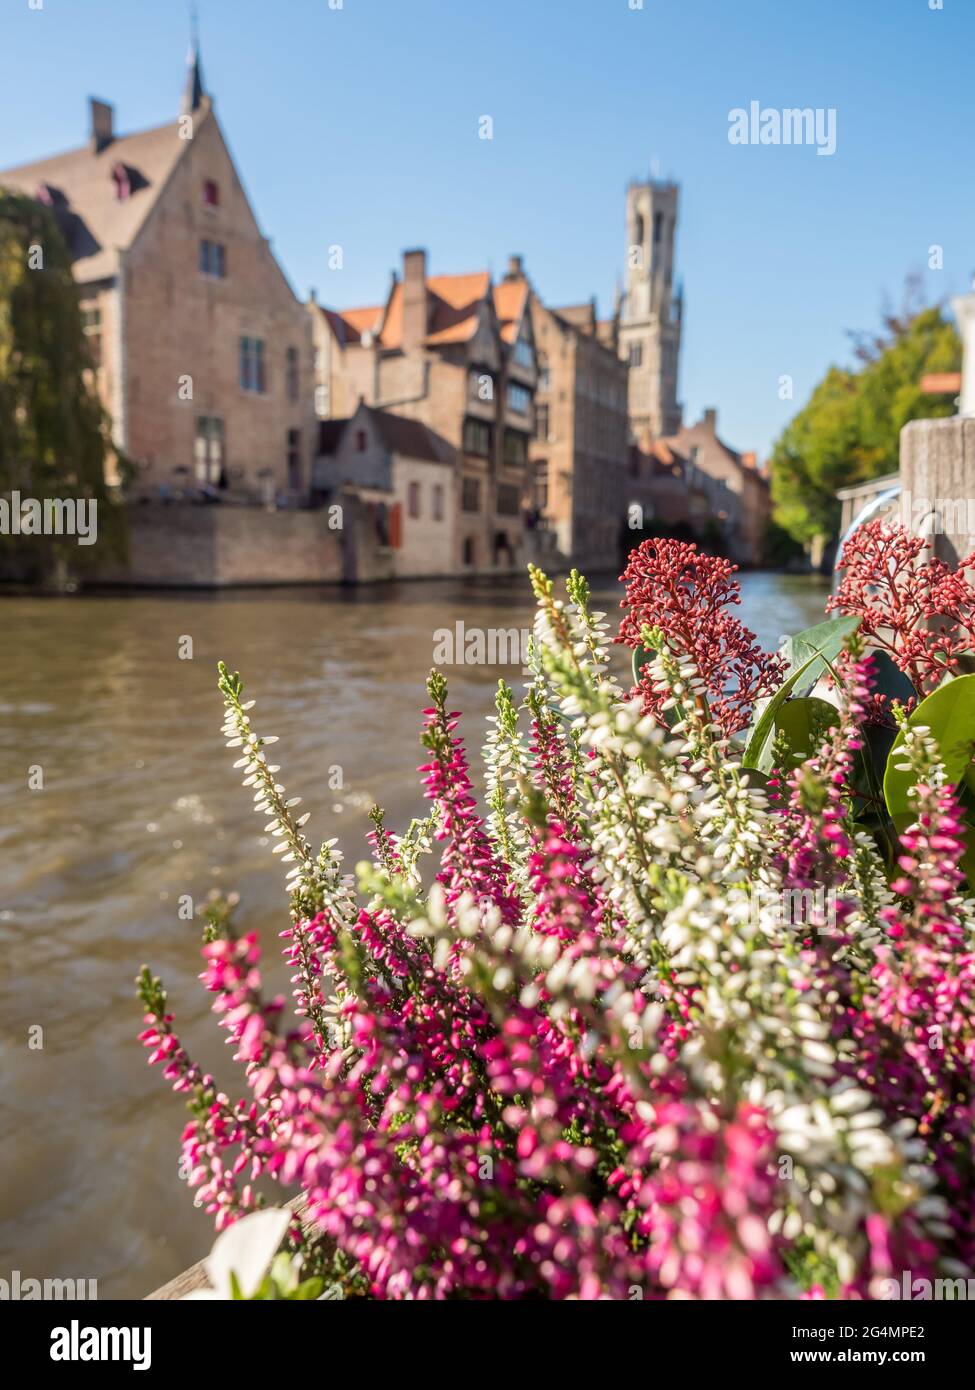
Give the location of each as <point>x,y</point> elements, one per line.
<point>54,432</point>
<point>849,432</point>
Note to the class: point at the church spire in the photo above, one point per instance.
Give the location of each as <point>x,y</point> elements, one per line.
<point>194,91</point>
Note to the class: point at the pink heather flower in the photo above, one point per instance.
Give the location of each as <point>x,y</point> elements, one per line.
<point>468,862</point>
<point>526,1102</point>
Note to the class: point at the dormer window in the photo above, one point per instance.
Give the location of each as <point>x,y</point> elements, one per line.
<point>50,196</point>
<point>122,181</point>
<point>211,193</point>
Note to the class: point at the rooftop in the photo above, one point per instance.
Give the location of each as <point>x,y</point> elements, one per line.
<point>102,192</point>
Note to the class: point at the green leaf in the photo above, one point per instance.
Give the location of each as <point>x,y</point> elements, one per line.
<point>809,655</point>
<point>869,765</point>
<point>967,861</point>
<point>949,712</point>
<point>801,722</point>
<point>641,656</point>
<point>309,1289</point>
<point>826,640</point>
<point>889,679</point>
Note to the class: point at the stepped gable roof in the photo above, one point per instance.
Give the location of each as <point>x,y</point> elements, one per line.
<point>580,316</point>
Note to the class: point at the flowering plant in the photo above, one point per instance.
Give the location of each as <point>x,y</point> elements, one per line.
<point>582,1050</point>
<point>912,606</point>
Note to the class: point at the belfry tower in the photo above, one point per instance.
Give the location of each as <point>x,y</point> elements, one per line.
<point>651,313</point>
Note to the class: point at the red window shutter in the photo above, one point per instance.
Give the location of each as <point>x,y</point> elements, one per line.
<point>396,526</point>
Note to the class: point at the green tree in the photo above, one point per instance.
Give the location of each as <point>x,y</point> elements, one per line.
<point>849,432</point>
<point>54,433</point>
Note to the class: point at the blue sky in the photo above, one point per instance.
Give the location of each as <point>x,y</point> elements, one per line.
<point>358,126</point>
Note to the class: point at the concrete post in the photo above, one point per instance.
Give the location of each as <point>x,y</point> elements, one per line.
<point>938,481</point>
<point>964,307</point>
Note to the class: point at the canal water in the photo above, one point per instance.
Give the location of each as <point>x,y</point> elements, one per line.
<point>117,798</point>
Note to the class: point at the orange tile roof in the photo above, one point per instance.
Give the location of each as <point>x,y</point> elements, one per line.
<point>454,304</point>
<point>455,333</point>
<point>348,325</point>
<point>392,333</point>
<point>510,298</point>
<point>941,383</point>
<point>362,320</point>
<point>460,291</point>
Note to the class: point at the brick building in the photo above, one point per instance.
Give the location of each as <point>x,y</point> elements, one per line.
<point>739,499</point>
<point>456,353</point>
<point>667,495</point>
<point>579,450</point>
<point>201,351</point>
<point>405,479</point>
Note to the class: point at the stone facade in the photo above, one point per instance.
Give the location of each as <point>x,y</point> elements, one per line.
<point>650,314</point>
<point>219,382</point>
<point>665,495</point>
<point>739,497</point>
<point>201,352</point>
<point>457,354</point>
<point>185,545</point>
<point>578,454</point>
<point>180,322</point>
<point>409,479</point>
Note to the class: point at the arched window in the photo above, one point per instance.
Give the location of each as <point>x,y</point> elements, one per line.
<point>639,230</point>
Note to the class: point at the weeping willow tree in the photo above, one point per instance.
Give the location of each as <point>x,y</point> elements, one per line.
<point>54,434</point>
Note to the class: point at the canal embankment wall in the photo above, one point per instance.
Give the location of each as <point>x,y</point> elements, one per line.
<point>183,545</point>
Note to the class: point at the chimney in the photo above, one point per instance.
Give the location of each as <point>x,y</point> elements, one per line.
<point>102,122</point>
<point>515,270</point>
<point>414,299</point>
<point>711,419</point>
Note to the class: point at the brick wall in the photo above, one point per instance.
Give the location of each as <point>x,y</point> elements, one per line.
<point>180,323</point>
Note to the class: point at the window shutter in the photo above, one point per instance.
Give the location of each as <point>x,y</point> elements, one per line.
<point>396,526</point>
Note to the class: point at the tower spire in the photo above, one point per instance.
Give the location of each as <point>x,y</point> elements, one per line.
<point>194,91</point>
